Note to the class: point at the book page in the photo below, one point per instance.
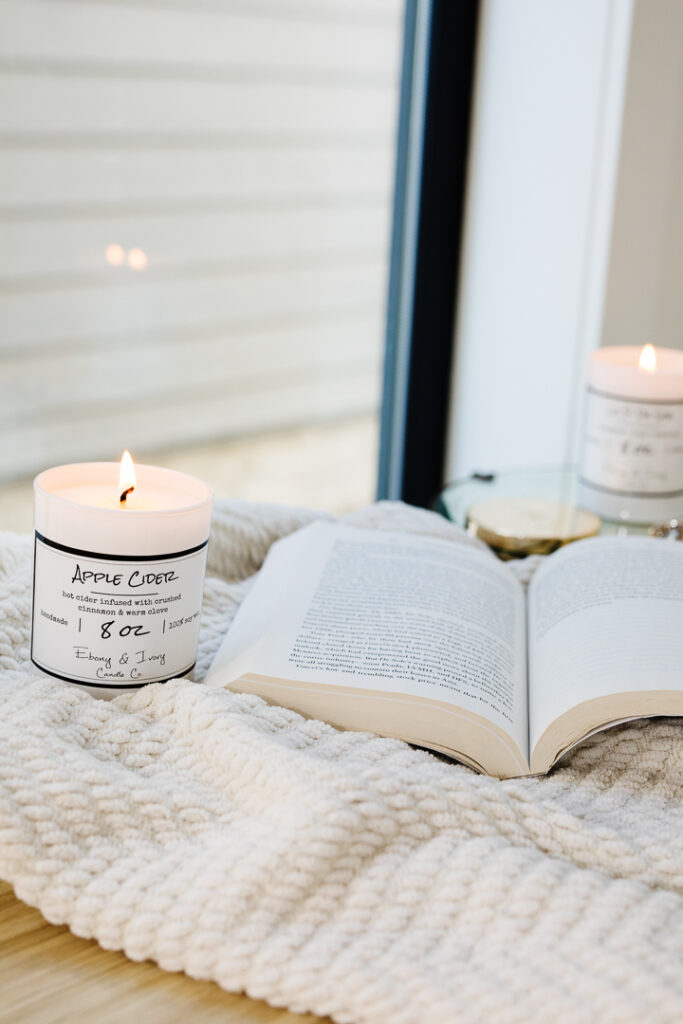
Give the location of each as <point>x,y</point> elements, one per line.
<point>605,617</point>
<point>394,612</point>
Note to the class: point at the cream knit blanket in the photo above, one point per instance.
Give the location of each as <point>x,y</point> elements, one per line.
<point>337,872</point>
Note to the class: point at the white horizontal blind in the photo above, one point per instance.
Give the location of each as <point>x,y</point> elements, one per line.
<point>247,149</point>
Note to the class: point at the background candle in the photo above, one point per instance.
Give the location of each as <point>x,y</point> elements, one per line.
<point>118,585</point>
<point>632,451</point>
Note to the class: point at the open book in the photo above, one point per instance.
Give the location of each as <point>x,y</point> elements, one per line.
<point>435,641</point>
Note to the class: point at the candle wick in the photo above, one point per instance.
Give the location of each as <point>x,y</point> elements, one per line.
<point>127,491</point>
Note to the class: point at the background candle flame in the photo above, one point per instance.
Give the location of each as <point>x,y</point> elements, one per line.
<point>126,475</point>
<point>648,359</point>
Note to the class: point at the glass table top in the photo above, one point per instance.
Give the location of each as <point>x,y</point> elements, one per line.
<point>556,483</point>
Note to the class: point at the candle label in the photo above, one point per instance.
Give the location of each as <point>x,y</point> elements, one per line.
<point>633,447</point>
<point>115,621</point>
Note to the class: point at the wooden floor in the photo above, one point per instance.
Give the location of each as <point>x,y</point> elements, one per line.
<point>48,976</point>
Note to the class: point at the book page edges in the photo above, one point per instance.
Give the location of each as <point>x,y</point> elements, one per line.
<point>461,734</point>
<point>597,715</point>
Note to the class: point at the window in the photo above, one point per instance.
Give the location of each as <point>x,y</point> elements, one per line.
<point>195,206</point>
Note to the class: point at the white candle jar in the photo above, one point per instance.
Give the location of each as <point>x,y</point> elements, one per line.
<point>632,448</point>
<point>117,590</point>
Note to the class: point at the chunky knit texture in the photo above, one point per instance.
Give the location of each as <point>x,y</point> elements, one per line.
<point>337,872</point>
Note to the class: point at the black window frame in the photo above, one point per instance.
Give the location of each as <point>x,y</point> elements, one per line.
<point>440,39</point>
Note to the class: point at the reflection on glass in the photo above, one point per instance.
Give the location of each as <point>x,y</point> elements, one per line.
<point>248,158</point>
<point>114,255</point>
<point>137,259</point>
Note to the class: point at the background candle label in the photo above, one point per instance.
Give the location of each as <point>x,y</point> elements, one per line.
<point>633,447</point>
<point>107,621</point>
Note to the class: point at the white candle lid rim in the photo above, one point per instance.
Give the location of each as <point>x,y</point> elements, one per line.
<point>609,356</point>
<point>613,371</point>
<point>192,482</point>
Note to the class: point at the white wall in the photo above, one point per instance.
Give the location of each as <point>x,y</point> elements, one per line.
<point>644,299</point>
<point>549,98</point>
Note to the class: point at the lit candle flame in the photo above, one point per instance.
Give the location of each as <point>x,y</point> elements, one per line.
<point>648,359</point>
<point>126,476</point>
